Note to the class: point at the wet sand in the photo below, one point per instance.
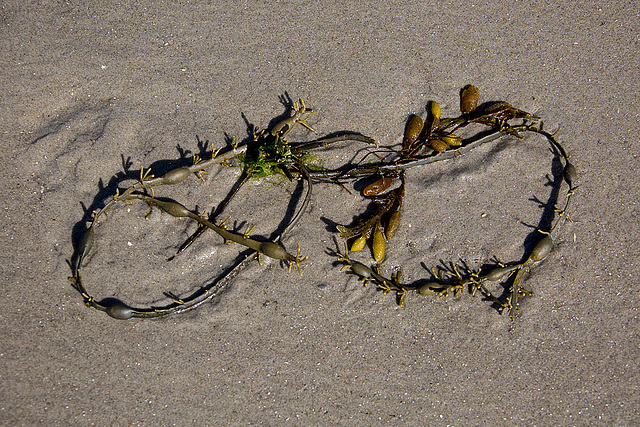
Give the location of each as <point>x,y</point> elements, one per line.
<point>89,91</point>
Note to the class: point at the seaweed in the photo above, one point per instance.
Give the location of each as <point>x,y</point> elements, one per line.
<point>269,153</point>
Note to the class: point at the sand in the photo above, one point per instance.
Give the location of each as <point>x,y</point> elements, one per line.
<point>90,88</point>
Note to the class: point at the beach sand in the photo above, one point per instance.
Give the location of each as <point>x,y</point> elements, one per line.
<point>89,89</point>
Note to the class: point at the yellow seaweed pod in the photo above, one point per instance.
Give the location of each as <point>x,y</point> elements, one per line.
<point>435,110</point>
<point>392,226</point>
<point>378,244</point>
<point>379,186</point>
<point>359,243</point>
<point>412,132</point>
<point>428,288</point>
<point>438,145</point>
<point>175,176</point>
<point>451,139</point>
<point>432,121</point>
<point>542,249</point>
<point>469,99</point>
